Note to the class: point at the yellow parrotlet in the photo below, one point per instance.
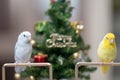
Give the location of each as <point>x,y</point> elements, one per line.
<point>107,50</point>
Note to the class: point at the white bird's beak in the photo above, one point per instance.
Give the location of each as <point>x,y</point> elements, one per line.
<point>29,39</point>
<point>111,41</point>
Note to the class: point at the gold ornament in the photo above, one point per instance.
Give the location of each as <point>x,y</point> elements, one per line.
<point>79,56</point>
<point>32,42</point>
<point>44,22</point>
<point>42,54</point>
<point>32,77</point>
<point>17,76</point>
<point>76,55</point>
<point>74,24</point>
<point>79,28</point>
<point>77,31</point>
<point>39,26</point>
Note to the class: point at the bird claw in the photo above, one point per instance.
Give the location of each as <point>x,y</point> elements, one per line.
<point>29,64</point>
<point>101,63</point>
<point>112,63</point>
<point>16,63</point>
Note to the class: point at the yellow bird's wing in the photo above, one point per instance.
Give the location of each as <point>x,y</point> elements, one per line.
<point>106,53</point>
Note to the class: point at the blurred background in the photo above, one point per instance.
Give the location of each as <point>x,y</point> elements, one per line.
<point>99,17</point>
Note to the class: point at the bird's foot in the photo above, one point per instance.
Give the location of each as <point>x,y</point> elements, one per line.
<point>16,63</point>
<point>29,64</point>
<point>112,63</point>
<point>101,63</point>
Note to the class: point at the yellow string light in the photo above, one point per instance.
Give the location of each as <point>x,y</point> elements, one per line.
<point>32,77</point>
<point>17,76</point>
<point>32,42</point>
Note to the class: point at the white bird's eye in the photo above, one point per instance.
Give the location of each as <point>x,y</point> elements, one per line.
<point>24,35</point>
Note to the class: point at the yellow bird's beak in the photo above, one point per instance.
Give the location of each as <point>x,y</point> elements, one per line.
<point>111,41</point>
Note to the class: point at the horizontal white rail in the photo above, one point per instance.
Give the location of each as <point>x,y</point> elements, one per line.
<point>92,63</point>
<point>50,67</point>
<point>27,64</point>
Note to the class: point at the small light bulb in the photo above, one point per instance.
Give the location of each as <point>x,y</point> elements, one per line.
<point>17,76</point>
<point>32,77</point>
<point>75,55</point>
<point>80,27</point>
<point>32,42</point>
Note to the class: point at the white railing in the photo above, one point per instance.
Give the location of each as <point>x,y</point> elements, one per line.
<point>50,67</point>
<point>93,64</point>
<point>26,64</point>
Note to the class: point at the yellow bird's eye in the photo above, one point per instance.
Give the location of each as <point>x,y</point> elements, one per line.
<point>107,38</point>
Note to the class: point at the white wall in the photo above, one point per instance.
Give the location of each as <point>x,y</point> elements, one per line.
<point>97,15</point>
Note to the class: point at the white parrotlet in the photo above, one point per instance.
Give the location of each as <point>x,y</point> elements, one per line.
<point>23,50</point>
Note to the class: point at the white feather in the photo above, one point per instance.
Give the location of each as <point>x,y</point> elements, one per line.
<point>23,50</point>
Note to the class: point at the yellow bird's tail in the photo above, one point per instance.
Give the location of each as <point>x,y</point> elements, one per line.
<point>105,69</point>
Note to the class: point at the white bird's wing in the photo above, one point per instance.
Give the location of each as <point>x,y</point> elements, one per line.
<point>23,50</point>
<point>22,55</point>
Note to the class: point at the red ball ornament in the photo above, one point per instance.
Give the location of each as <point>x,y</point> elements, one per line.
<point>52,1</point>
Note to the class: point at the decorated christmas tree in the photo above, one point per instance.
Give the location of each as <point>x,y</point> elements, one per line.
<point>58,41</point>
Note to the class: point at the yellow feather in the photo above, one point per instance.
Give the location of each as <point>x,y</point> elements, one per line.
<point>107,50</point>
<point>105,69</point>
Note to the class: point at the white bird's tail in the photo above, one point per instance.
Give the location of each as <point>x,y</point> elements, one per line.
<point>19,69</point>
